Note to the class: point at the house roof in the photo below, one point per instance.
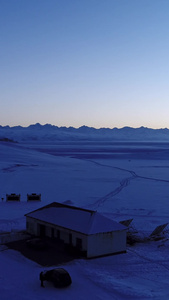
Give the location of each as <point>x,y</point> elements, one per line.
<point>75,218</point>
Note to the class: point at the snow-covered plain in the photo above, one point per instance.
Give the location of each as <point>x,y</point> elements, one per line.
<point>120,180</point>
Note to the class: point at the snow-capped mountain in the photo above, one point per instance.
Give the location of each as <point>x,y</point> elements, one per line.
<point>38,132</point>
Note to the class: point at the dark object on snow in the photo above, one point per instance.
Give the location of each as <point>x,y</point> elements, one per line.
<point>126,222</point>
<point>13,197</point>
<point>36,244</point>
<point>41,279</point>
<point>33,197</point>
<point>156,232</point>
<point>59,277</point>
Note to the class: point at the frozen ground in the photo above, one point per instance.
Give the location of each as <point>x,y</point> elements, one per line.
<point>120,180</point>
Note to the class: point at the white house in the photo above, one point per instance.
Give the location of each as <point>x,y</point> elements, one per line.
<point>86,230</point>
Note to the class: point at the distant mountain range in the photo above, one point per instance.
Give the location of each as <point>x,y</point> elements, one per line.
<point>38,132</point>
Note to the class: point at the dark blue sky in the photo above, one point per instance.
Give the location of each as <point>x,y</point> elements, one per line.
<point>98,63</point>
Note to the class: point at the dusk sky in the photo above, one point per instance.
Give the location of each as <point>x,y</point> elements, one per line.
<point>99,63</point>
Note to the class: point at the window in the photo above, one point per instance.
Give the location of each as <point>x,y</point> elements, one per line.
<point>27,225</point>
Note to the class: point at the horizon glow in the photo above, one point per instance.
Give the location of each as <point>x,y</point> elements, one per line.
<point>95,63</point>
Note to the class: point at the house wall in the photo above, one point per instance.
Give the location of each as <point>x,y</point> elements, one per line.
<point>94,245</point>
<point>31,226</point>
<point>67,236</point>
<point>106,243</point>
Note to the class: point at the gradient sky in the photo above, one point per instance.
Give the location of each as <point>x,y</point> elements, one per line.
<point>99,63</point>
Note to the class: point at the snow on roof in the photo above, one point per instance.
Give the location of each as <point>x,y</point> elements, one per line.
<point>76,219</point>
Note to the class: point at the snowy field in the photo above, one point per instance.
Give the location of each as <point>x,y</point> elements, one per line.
<point>121,180</point>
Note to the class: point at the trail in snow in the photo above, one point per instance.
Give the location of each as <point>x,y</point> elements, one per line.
<point>14,167</point>
<point>161,262</point>
<point>124,183</point>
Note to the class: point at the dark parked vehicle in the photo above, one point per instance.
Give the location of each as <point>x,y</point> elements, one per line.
<point>59,277</point>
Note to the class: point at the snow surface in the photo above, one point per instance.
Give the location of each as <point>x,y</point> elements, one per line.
<point>131,182</point>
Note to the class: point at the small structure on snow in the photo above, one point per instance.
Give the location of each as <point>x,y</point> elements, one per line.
<point>157,231</point>
<point>133,236</point>
<point>83,230</point>
<point>33,197</point>
<point>13,197</point>
<point>126,222</point>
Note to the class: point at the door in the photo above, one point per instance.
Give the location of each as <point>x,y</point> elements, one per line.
<point>70,239</point>
<point>79,244</point>
<point>58,234</point>
<point>52,233</point>
<point>42,230</point>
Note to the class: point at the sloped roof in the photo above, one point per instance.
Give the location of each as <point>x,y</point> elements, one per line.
<point>76,219</point>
